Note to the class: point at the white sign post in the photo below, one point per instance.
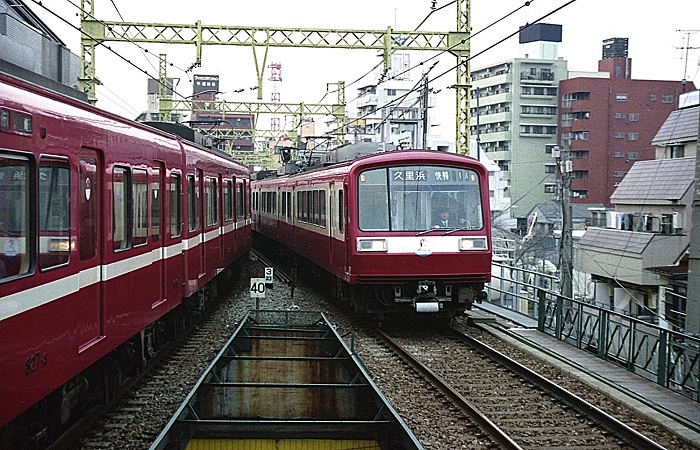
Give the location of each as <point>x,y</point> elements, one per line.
<point>257,288</point>
<point>269,275</point>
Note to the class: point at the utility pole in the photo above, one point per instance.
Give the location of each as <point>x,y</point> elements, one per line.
<point>424,104</point>
<point>692,308</point>
<point>566,244</point>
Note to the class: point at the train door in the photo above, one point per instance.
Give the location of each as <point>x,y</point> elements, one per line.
<point>90,232</point>
<point>157,210</point>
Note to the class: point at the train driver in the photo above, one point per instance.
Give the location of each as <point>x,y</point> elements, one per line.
<point>444,220</point>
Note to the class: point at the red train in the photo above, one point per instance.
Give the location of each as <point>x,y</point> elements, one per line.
<point>107,227</point>
<point>374,225</point>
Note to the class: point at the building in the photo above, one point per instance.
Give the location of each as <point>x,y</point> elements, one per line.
<point>394,109</point>
<point>231,132</point>
<point>678,136</point>
<point>608,121</point>
<point>647,231</point>
<point>31,51</point>
<point>514,115</point>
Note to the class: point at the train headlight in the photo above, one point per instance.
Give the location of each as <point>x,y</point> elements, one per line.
<point>372,245</point>
<point>472,244</point>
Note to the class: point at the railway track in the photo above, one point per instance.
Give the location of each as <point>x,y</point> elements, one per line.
<point>135,419</point>
<point>434,419</point>
<point>514,406</point>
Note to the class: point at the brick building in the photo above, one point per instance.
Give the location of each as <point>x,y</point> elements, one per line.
<point>608,120</point>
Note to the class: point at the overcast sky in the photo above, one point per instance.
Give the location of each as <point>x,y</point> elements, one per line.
<point>652,27</point>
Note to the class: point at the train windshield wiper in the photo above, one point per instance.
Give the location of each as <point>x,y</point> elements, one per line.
<point>435,228</point>
<point>465,228</point>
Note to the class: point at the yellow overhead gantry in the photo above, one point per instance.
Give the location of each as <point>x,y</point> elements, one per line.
<point>95,32</point>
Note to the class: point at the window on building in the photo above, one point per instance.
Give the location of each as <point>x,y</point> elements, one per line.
<point>618,174</point>
<point>619,116</point>
<point>391,92</point>
<point>677,151</point>
<point>633,155</point>
<point>538,129</point>
<point>667,99</point>
<point>634,117</point>
<point>619,154</point>
<point>621,97</point>
<point>633,136</point>
<point>550,188</point>
<point>550,168</point>
<point>619,135</point>
<point>568,99</point>
<point>579,154</point>
<point>580,174</point>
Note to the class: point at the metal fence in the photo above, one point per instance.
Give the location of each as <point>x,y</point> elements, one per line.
<point>663,355</point>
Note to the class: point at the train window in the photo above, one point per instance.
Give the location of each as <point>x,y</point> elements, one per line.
<point>155,204</point>
<point>322,208</point>
<point>305,206</point>
<point>289,205</point>
<point>373,200</point>
<point>22,123</point>
<point>315,208</point>
<point>191,203</point>
<point>4,120</point>
<point>139,192</point>
<point>301,206</point>
<point>15,238</point>
<point>54,213</point>
<point>175,206</point>
<point>228,200</point>
<point>283,204</point>
<point>212,193</point>
<point>240,200</point>
<point>121,179</point>
<point>409,198</point>
<point>341,211</point>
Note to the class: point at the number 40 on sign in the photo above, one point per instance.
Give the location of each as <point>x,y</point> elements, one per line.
<point>257,288</point>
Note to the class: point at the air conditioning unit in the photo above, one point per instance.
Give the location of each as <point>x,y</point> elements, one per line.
<point>677,221</point>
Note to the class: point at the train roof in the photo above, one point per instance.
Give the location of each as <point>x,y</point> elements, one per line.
<point>66,101</point>
<point>422,155</point>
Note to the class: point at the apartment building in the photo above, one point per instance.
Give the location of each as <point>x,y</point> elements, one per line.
<point>514,115</point>
<point>608,121</point>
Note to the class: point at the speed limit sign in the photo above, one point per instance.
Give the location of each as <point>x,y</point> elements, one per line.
<point>257,288</point>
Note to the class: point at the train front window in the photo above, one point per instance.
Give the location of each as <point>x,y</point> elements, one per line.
<point>411,198</point>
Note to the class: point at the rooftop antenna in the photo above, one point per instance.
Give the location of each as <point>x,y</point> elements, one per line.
<point>686,48</point>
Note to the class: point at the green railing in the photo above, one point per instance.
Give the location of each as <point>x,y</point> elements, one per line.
<point>667,357</point>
